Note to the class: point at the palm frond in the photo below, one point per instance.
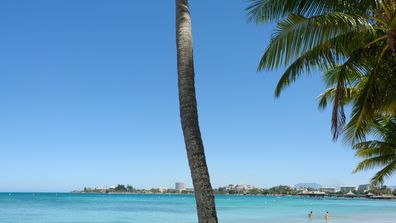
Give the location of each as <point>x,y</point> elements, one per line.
<point>381,175</point>
<point>374,148</point>
<point>328,96</point>
<point>370,163</point>
<point>380,152</point>
<point>297,35</point>
<point>319,57</point>
<point>338,115</point>
<point>325,97</point>
<point>264,11</point>
<point>365,106</point>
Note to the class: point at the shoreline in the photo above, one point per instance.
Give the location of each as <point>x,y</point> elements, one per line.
<point>380,197</point>
<point>238,195</point>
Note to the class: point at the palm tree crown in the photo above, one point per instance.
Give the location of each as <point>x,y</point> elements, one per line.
<point>353,44</point>
<point>353,41</point>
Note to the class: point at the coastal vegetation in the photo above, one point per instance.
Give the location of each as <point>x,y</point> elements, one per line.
<point>353,45</point>
<point>277,190</point>
<point>120,188</point>
<point>281,190</point>
<point>204,196</point>
<point>383,190</point>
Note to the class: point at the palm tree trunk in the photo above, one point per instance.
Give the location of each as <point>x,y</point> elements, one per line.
<point>189,116</point>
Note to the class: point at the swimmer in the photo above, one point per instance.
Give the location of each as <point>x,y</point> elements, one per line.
<point>310,215</point>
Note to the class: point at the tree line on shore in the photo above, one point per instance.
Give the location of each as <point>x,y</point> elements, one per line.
<point>287,190</point>
<point>276,190</point>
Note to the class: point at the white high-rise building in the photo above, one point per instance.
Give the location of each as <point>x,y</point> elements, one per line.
<point>364,188</point>
<point>180,186</point>
<point>346,189</point>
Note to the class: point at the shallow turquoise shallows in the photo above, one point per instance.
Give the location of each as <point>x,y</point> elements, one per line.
<point>101,208</point>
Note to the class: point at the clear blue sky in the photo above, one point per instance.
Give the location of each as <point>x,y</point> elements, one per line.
<point>88,97</point>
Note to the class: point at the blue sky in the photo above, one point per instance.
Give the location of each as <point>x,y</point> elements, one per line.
<point>88,97</point>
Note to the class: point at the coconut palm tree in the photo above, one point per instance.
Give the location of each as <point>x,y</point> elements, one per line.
<point>353,39</point>
<point>380,152</point>
<point>204,196</point>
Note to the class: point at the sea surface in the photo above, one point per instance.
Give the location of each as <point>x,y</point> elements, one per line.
<point>111,208</point>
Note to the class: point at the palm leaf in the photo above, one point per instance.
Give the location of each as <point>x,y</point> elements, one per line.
<point>384,173</point>
<point>374,148</point>
<point>297,35</point>
<point>374,162</point>
<point>264,11</point>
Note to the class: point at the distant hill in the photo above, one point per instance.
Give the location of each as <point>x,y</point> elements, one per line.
<point>308,185</point>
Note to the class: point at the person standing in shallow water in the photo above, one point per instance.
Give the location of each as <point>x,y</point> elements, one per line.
<point>327,215</point>
<point>310,214</point>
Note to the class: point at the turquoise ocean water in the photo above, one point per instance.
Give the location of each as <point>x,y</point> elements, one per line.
<point>104,208</point>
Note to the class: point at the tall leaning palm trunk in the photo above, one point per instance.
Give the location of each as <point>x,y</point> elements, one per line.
<point>189,116</point>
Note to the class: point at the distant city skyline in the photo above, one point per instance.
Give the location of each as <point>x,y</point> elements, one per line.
<point>88,97</point>
<point>179,186</point>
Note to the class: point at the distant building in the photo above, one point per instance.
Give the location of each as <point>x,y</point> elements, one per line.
<point>314,186</point>
<point>230,187</point>
<point>162,189</point>
<point>347,189</point>
<point>180,186</point>
<point>312,193</point>
<point>327,189</point>
<point>238,187</point>
<point>364,188</point>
